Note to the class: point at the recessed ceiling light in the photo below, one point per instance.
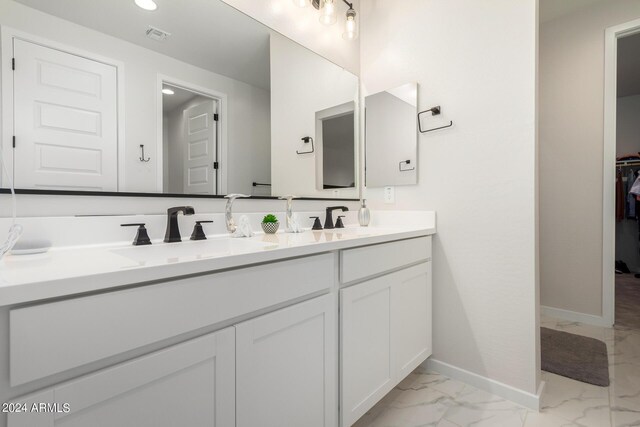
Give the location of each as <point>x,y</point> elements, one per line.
<point>146,4</point>
<point>167,91</point>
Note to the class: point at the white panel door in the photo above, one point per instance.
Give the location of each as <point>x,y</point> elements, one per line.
<point>189,384</point>
<point>200,148</point>
<point>286,367</point>
<point>367,372</point>
<point>65,121</point>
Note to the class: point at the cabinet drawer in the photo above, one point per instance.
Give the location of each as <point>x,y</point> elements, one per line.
<point>53,337</point>
<point>369,261</point>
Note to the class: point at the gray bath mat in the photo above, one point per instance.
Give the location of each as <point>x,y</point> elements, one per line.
<point>574,356</point>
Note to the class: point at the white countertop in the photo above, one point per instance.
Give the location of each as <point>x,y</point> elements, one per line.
<point>73,270</point>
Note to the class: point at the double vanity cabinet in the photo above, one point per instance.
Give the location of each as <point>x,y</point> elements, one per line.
<point>309,340</point>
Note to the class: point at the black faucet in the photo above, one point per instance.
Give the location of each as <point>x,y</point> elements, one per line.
<point>173,232</point>
<point>328,220</point>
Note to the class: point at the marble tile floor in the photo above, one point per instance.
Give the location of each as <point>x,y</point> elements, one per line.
<point>428,399</point>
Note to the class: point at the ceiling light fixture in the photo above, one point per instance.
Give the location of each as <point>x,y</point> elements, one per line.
<point>146,4</point>
<point>351,25</point>
<point>167,91</point>
<point>329,15</point>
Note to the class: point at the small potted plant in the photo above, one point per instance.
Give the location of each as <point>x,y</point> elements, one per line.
<point>270,224</point>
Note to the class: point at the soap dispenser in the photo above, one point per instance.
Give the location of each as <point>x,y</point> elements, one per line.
<point>364,216</point>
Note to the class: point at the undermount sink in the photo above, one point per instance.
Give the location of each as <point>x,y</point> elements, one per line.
<point>190,250</point>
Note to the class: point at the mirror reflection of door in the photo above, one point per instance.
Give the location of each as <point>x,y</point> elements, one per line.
<point>65,120</point>
<point>190,141</point>
<point>338,166</point>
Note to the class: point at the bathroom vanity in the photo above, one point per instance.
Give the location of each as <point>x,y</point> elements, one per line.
<point>273,330</point>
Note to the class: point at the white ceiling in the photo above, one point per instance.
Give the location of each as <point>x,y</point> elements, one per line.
<point>629,66</point>
<point>206,33</point>
<point>179,98</point>
<point>553,9</point>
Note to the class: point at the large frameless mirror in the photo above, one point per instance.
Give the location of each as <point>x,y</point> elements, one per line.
<point>192,98</point>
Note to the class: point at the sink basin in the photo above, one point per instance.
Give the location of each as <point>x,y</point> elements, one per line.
<point>190,250</point>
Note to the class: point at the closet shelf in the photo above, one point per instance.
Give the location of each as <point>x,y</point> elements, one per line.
<point>627,163</point>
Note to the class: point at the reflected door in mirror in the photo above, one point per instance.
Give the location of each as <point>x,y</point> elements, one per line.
<point>200,149</point>
<point>65,121</point>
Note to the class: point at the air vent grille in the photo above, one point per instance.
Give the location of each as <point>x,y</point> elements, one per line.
<point>157,34</point>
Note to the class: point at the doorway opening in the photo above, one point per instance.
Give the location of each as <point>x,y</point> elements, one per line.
<point>191,124</point>
<point>621,231</point>
<point>189,141</point>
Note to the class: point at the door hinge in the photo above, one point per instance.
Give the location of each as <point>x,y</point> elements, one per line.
<point>215,117</point>
<point>215,165</point>
<point>13,63</point>
<point>14,141</point>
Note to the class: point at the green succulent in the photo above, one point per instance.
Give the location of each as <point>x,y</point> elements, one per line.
<point>269,218</point>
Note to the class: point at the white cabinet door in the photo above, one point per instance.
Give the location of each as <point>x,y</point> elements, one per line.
<point>411,307</point>
<point>286,367</point>
<point>65,121</point>
<point>365,341</point>
<point>189,384</point>
<point>385,334</point>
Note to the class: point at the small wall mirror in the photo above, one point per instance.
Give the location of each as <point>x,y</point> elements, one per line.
<point>391,136</point>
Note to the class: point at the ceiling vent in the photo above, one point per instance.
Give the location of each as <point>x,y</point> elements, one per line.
<point>157,34</point>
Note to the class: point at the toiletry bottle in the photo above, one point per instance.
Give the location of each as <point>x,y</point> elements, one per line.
<point>363,214</point>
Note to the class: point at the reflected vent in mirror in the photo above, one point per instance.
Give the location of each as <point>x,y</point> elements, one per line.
<point>157,34</point>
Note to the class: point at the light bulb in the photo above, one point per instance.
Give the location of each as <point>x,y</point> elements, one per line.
<point>328,14</point>
<point>167,91</point>
<point>351,26</point>
<point>300,3</point>
<point>146,4</point>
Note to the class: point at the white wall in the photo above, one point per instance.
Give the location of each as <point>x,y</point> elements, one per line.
<point>478,61</point>
<point>142,66</point>
<point>571,149</point>
<point>250,150</point>
<point>302,83</point>
<point>302,26</point>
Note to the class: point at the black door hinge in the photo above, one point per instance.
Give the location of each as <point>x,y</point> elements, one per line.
<point>14,141</point>
<point>215,165</point>
<point>13,63</point>
<point>215,117</point>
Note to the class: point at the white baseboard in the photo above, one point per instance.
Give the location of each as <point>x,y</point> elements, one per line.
<point>521,397</point>
<point>573,316</point>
